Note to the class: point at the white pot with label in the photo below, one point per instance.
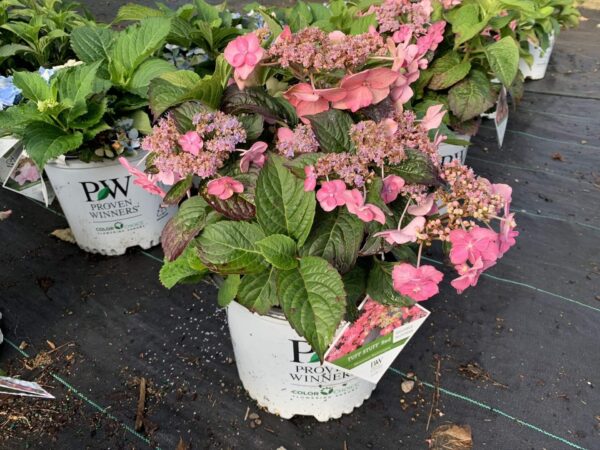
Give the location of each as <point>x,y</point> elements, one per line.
<point>541,59</point>
<point>451,152</point>
<point>282,373</point>
<point>106,211</point>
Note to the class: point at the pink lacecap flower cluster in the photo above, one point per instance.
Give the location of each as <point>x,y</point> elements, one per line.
<point>373,316</point>
<point>201,151</point>
<point>394,15</point>
<point>468,200</point>
<point>315,50</point>
<point>293,143</point>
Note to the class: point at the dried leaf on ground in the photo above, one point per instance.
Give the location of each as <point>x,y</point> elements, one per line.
<point>64,234</point>
<point>5,214</point>
<point>182,445</point>
<point>558,157</point>
<point>473,371</point>
<point>407,386</point>
<point>451,437</point>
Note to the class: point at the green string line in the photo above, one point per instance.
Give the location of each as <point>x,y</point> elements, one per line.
<point>85,398</point>
<point>560,219</point>
<point>541,138</point>
<point>525,285</point>
<point>491,409</point>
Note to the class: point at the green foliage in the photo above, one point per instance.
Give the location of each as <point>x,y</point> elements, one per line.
<point>282,205</point>
<point>472,96</point>
<point>229,247</point>
<point>380,286</point>
<point>332,129</point>
<point>313,301</point>
<point>186,269</point>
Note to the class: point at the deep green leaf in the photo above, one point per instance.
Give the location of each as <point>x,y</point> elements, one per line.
<point>282,206</point>
<point>178,191</point>
<point>380,286</point>
<point>417,168</point>
<point>313,301</point>
<point>332,129</point>
<point>355,284</point>
<point>336,236</point>
<point>256,100</point>
<point>472,96</point>
<point>279,250</point>
<point>230,247</point>
<point>258,292</point>
<point>190,219</point>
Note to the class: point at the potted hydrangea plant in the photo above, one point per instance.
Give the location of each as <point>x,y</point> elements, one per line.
<point>74,124</point>
<point>313,191</point>
<point>538,28</point>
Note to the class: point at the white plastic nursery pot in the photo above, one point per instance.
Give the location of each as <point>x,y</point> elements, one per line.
<point>106,211</point>
<point>282,373</point>
<point>541,59</point>
<point>450,152</point>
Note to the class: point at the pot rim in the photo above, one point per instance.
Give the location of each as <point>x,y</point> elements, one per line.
<point>75,163</point>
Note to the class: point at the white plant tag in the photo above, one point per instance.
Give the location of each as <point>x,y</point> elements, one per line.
<point>14,386</point>
<point>501,117</point>
<point>19,173</point>
<point>367,347</point>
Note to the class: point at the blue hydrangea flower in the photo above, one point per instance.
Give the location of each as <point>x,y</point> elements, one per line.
<point>8,92</point>
<point>46,73</point>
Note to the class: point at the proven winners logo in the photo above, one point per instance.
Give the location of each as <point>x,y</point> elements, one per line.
<point>310,379</point>
<point>108,202</point>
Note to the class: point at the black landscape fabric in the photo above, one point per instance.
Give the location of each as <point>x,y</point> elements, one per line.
<point>518,354</point>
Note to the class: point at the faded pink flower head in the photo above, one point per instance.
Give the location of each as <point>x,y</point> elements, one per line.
<point>141,179</point>
<point>362,89</point>
<point>468,275</point>
<point>404,235</point>
<point>191,142</point>
<point>418,283</point>
<point>224,187</point>
<point>331,195</point>
<point>504,191</point>
<point>306,100</point>
<point>27,172</point>
<point>254,155</point>
<point>435,35</point>
<point>433,117</point>
<point>392,184</point>
<point>478,243</point>
<point>244,53</point>
<point>403,34</point>
<point>310,182</point>
<point>425,208</point>
<point>366,212</point>
<point>507,235</point>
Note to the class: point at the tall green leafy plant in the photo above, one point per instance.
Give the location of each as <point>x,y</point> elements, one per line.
<point>35,33</point>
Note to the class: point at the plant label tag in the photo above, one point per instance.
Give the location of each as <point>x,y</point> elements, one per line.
<point>367,347</point>
<point>18,172</point>
<point>501,117</point>
<point>14,386</point>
